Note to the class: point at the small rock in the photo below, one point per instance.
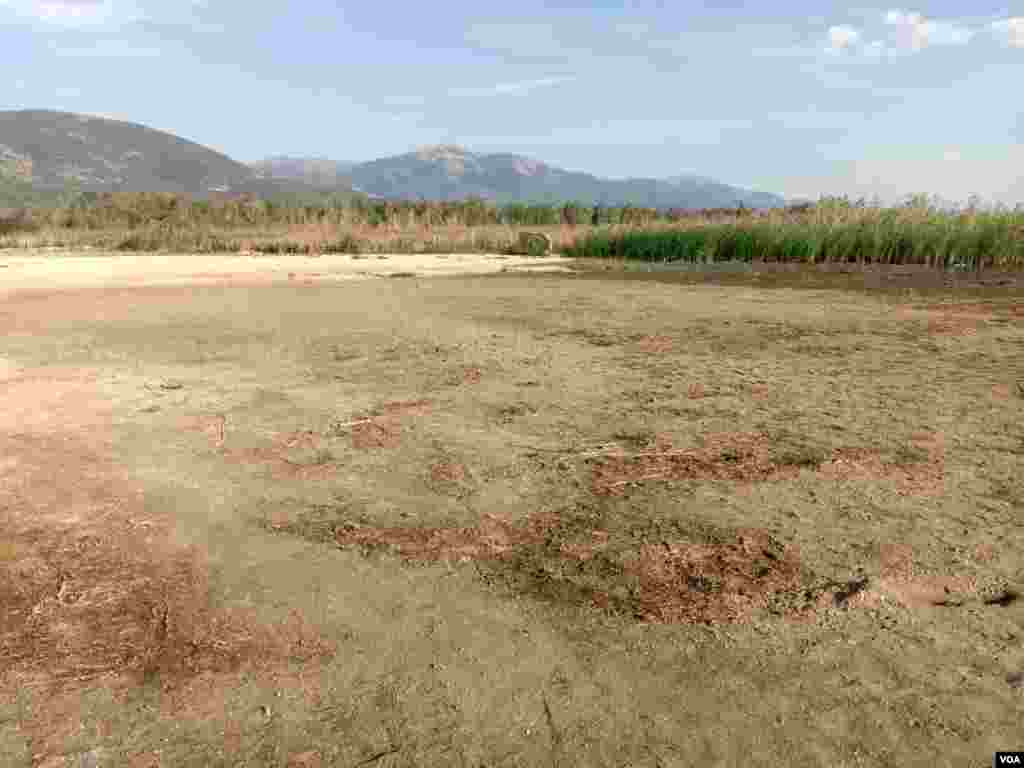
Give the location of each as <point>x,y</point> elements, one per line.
<point>171,385</point>
<point>1002,598</point>
<point>997,591</point>
<point>1015,680</point>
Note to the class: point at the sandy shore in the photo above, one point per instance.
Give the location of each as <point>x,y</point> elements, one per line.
<point>28,270</point>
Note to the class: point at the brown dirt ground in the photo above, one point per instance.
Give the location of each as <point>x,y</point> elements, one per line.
<point>535,520</point>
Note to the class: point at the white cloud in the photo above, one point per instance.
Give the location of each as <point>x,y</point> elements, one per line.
<point>841,38</point>
<point>527,85</point>
<point>67,13</point>
<point>916,33</point>
<point>74,10</point>
<point>497,89</point>
<point>901,18</point>
<point>910,32</point>
<point>91,13</point>
<point>1010,31</point>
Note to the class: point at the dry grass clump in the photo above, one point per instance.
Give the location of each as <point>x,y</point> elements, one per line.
<point>923,477</point>
<point>493,538</point>
<point>747,458</point>
<point>99,598</point>
<point>679,582</point>
<point>742,457</point>
<point>94,592</point>
<point>381,429</point>
<point>712,584</point>
<point>97,594</point>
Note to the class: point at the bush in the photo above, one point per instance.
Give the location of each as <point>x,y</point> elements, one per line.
<point>16,220</point>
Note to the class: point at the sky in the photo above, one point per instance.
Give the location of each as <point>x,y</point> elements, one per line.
<point>798,98</point>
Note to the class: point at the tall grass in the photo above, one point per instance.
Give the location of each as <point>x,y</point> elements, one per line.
<point>970,240</point>
<point>830,231</point>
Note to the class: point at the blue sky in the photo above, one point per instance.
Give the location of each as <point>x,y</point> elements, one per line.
<point>790,96</point>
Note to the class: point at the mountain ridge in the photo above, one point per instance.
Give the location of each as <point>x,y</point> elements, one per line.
<point>50,148</point>
<point>47,148</point>
<point>449,172</point>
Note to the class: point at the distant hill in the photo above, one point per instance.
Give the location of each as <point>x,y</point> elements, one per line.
<point>448,172</point>
<point>42,150</point>
<point>46,149</point>
<point>317,171</point>
<point>726,196</point>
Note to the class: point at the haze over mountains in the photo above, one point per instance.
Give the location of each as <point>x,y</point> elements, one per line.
<point>46,149</point>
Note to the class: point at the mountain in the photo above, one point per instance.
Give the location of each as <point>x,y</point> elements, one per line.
<point>725,195</point>
<point>448,172</point>
<point>317,171</point>
<point>46,149</point>
<point>41,150</point>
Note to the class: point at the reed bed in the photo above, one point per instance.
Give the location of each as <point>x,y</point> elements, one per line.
<point>969,240</point>
<point>834,230</point>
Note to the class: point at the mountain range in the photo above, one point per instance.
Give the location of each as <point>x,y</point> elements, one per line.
<point>47,149</point>
<point>449,172</point>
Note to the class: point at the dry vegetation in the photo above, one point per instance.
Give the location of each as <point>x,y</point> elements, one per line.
<point>831,231</point>
<point>598,519</point>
